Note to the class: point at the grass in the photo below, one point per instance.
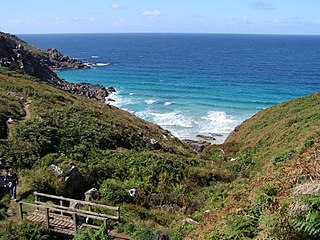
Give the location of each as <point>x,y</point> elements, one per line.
<point>112,149</point>
<point>241,189</point>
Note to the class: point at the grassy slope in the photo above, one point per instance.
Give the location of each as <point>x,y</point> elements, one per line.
<point>273,152</point>
<point>110,146</point>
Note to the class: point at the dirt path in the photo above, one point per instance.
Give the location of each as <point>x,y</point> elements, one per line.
<point>26,106</point>
<point>26,109</point>
<point>13,206</point>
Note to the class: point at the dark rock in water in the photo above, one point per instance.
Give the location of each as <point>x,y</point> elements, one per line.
<point>216,135</point>
<point>111,90</point>
<point>209,138</point>
<point>196,146</point>
<point>58,61</point>
<point>89,90</point>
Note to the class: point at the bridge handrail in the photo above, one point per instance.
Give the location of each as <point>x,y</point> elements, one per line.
<point>75,200</point>
<point>57,210</point>
<point>78,210</point>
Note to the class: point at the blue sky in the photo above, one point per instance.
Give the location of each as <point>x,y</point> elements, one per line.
<point>194,16</point>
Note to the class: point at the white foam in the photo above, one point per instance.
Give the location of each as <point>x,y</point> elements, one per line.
<point>94,56</point>
<point>131,93</point>
<point>102,64</point>
<point>172,119</point>
<point>150,101</point>
<point>167,103</point>
<point>217,122</point>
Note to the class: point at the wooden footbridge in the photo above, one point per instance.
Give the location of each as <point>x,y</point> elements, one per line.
<point>64,216</point>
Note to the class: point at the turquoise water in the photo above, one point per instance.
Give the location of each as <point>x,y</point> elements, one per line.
<point>194,84</point>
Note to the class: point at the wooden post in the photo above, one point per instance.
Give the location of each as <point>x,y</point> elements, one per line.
<point>20,210</point>
<point>36,199</point>
<point>118,213</point>
<point>74,216</point>
<point>47,217</point>
<point>105,223</point>
<point>90,208</point>
<point>61,204</point>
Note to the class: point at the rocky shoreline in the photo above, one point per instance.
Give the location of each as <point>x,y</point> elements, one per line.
<point>17,55</point>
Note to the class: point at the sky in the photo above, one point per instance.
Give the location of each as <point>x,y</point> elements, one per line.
<point>160,16</point>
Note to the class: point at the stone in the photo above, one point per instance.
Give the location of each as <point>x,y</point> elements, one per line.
<point>208,138</point>
<point>56,169</point>
<point>92,193</point>
<point>111,90</point>
<point>10,121</point>
<point>196,146</point>
<point>155,144</point>
<point>189,221</point>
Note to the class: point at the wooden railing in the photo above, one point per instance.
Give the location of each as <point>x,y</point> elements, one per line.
<point>57,215</point>
<point>49,212</point>
<point>68,201</point>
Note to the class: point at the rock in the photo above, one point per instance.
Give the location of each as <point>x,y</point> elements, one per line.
<point>189,221</point>
<point>16,54</point>
<point>58,61</point>
<point>155,144</point>
<point>162,236</point>
<point>196,146</point>
<point>56,169</point>
<point>133,193</point>
<point>74,182</point>
<point>92,193</point>
<point>209,138</point>
<point>10,121</point>
<point>111,90</point>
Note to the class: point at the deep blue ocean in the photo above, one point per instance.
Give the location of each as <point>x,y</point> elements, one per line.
<point>194,83</point>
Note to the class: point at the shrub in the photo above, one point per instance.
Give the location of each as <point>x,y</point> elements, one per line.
<point>91,234</point>
<point>23,230</point>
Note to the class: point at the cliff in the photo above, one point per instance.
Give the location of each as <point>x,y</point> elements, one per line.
<point>17,55</point>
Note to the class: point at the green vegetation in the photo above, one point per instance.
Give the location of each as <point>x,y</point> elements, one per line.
<point>267,157</point>
<point>23,230</point>
<point>113,150</point>
<point>250,187</point>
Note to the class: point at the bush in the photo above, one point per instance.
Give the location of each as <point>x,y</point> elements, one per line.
<point>91,234</point>
<point>23,231</point>
<point>305,215</point>
<point>46,181</point>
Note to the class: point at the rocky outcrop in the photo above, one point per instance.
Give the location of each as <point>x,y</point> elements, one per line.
<point>18,55</point>
<point>74,180</point>
<point>89,90</point>
<point>57,61</point>
<point>196,146</point>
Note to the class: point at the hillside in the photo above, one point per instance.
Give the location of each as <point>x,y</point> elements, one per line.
<point>112,150</point>
<point>275,160</point>
<point>262,183</point>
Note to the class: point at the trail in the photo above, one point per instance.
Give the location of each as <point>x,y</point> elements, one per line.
<point>13,206</point>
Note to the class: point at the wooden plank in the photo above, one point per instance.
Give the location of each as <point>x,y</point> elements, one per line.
<point>82,211</point>
<point>75,200</point>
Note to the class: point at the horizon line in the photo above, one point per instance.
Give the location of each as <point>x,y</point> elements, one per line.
<point>207,33</point>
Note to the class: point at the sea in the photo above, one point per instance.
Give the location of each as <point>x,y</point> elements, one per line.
<point>193,84</point>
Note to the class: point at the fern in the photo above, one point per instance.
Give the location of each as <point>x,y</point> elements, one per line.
<point>307,217</point>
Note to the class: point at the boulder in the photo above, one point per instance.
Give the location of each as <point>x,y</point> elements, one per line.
<point>189,221</point>
<point>196,146</point>
<point>92,193</point>
<point>208,138</point>
<point>155,144</point>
